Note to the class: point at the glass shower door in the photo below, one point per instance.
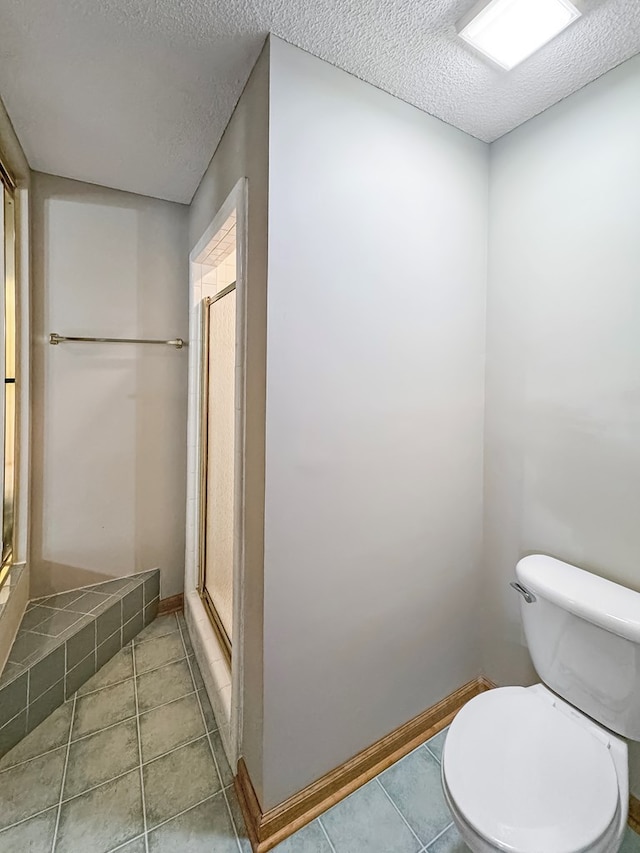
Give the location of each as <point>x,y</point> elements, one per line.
<point>7,373</point>
<point>219,414</point>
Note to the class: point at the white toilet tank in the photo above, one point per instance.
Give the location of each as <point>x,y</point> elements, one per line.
<point>583,634</point>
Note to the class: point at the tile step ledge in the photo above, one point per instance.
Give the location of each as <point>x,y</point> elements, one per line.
<point>63,640</point>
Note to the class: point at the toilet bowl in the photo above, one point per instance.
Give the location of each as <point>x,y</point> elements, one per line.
<point>523,771</point>
<point>544,769</point>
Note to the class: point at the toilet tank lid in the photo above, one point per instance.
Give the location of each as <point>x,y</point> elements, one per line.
<point>597,600</point>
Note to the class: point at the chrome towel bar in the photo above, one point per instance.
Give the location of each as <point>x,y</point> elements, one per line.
<point>54,339</point>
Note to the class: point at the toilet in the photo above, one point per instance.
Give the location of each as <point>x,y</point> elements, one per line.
<point>544,769</point>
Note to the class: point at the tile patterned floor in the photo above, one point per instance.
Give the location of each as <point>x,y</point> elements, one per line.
<point>134,763</point>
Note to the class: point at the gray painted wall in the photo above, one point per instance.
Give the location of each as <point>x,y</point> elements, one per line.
<point>244,152</point>
<point>562,453</point>
<point>109,421</point>
<point>375,372</point>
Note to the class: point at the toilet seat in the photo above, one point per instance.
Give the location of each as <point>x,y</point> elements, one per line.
<point>530,775</point>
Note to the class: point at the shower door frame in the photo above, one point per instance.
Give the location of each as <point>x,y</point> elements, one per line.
<point>208,648</point>
<point>216,621</point>
<point>9,359</point>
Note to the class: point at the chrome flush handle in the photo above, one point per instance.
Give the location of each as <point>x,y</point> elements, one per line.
<point>529,597</point>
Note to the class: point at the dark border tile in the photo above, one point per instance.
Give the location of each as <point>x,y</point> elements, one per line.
<point>132,628</point>
<point>10,672</point>
<point>150,612</point>
<point>13,732</point>
<point>25,647</point>
<point>45,705</point>
<point>81,644</point>
<point>108,622</point>
<point>13,698</point>
<point>152,587</point>
<point>60,622</point>
<point>46,672</point>
<point>109,648</point>
<point>88,602</point>
<point>132,604</point>
<point>77,676</point>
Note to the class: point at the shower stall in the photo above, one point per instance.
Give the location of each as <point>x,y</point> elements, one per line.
<point>215,519</point>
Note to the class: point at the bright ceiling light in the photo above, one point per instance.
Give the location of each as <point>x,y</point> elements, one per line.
<point>508,31</point>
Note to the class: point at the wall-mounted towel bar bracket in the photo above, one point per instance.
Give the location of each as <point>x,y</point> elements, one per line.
<point>55,339</point>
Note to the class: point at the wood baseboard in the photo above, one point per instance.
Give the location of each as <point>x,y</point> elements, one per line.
<point>175,604</point>
<point>634,813</point>
<point>266,829</point>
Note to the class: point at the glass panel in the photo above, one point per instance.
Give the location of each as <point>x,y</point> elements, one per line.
<point>8,376</point>
<point>9,379</point>
<point>221,458</point>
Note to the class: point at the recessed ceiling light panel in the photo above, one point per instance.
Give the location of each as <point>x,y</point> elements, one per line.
<point>508,31</point>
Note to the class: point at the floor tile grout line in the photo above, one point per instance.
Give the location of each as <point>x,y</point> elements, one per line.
<point>175,749</point>
<point>126,720</point>
<point>26,819</point>
<point>163,704</point>
<point>100,785</point>
<point>388,796</point>
<point>64,777</point>
<point>33,758</point>
<point>326,834</point>
<point>126,843</point>
<point>106,728</point>
<point>59,635</point>
<point>156,668</point>
<point>140,641</point>
<point>184,812</point>
<point>21,711</point>
<point>439,835</point>
<point>213,755</point>
<point>432,754</point>
<point>144,804</point>
<point>126,772</point>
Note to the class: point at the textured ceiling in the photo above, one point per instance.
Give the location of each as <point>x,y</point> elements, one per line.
<point>135,94</point>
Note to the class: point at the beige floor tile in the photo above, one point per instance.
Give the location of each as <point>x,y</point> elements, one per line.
<point>100,757</point>
<point>31,787</point>
<point>103,818</point>
<point>137,846</point>
<point>170,726</point>
<point>164,685</point>
<point>178,781</point>
<point>34,834</point>
<point>104,708</point>
<point>152,654</point>
<point>203,829</point>
<point>160,626</point>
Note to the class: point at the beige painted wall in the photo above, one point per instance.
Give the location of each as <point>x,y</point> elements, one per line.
<point>243,152</point>
<point>109,421</point>
<point>562,453</point>
<point>375,377</point>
